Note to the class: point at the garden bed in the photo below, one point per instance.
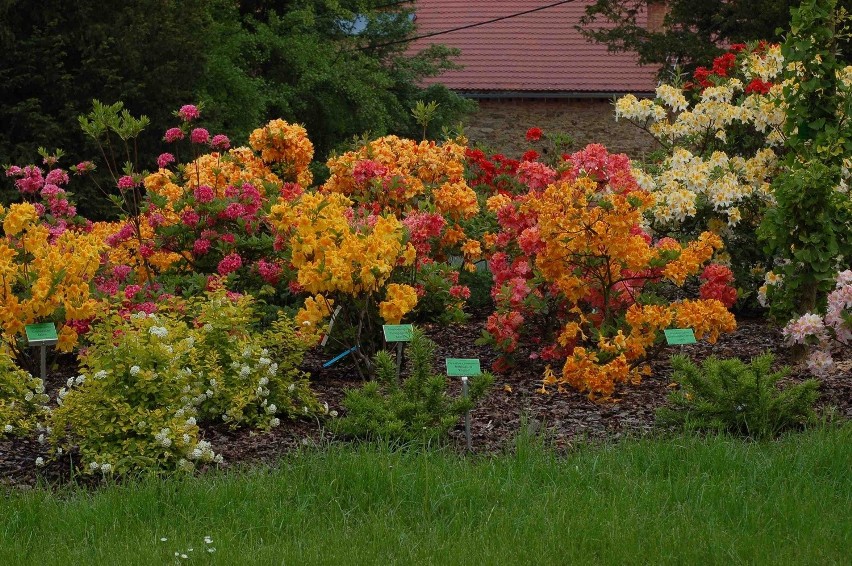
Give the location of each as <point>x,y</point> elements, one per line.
<point>563,418</point>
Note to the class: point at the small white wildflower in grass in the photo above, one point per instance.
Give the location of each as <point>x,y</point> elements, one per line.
<point>184,556</point>
<point>291,387</point>
<point>80,379</point>
<point>245,371</point>
<point>211,550</point>
<point>106,468</point>
<point>209,393</point>
<point>94,466</point>
<point>263,381</point>
<point>264,361</point>
<point>247,353</point>
<point>41,439</point>
<point>163,539</point>
<point>59,451</point>
<point>29,396</point>
<point>190,421</point>
<point>332,413</point>
<point>186,439</point>
<point>8,428</point>
<point>134,370</point>
<point>179,413</point>
<point>208,540</point>
<point>270,410</point>
<point>101,374</point>
<point>208,327</point>
<point>219,459</point>
<point>70,382</point>
<point>212,382</point>
<point>39,462</point>
<point>274,421</point>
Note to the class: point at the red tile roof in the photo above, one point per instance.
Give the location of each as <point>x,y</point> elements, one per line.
<point>537,52</point>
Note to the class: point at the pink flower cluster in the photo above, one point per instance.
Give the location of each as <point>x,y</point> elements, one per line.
<point>367,170</point>
<point>424,229</point>
<point>827,335</point>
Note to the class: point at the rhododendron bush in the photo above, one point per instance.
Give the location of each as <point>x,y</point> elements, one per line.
<point>574,270</point>
<point>725,134</point>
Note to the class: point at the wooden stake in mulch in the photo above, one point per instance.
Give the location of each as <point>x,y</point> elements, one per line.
<point>464,368</point>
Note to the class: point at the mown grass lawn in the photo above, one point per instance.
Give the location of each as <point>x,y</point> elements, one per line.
<point>681,500</point>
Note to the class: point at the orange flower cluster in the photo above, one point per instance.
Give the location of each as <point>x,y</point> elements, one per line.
<point>286,145</point>
<point>398,176</point>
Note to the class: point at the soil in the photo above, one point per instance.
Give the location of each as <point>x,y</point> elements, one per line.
<point>564,418</point>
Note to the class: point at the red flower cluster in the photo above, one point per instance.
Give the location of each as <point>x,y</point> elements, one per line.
<point>717,279</point>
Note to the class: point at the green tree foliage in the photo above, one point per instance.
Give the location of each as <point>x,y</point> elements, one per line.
<point>58,55</point>
<point>340,67</point>
<point>693,30</point>
<point>810,225</point>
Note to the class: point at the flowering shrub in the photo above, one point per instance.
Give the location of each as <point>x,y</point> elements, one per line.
<point>722,134</point>
<point>148,381</point>
<point>346,257</point>
<point>423,185</point>
<point>45,275</point>
<point>574,264</point>
<point>22,399</point>
<point>829,335</point>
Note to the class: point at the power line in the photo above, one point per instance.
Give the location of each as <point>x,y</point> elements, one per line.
<point>468,26</point>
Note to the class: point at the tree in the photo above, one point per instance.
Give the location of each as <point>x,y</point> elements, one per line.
<point>341,68</point>
<point>58,55</point>
<point>693,31</point>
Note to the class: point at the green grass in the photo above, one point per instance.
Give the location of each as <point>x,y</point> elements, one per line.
<point>675,501</point>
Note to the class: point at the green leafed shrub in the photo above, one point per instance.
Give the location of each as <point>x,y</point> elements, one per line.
<point>731,396</point>
<point>147,382</point>
<point>419,408</point>
<point>22,398</point>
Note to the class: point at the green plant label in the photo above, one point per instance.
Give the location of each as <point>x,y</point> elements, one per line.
<point>463,367</point>
<point>676,336</point>
<point>398,332</point>
<point>43,333</point>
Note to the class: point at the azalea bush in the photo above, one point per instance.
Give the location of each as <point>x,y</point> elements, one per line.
<point>827,336</point>
<point>45,276</point>
<point>148,381</point>
<point>574,274</point>
<point>346,257</point>
<point>722,139</point>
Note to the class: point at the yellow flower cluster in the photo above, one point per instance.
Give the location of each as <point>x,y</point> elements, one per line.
<point>311,316</point>
<point>692,257</point>
<point>41,279</point>
<point>286,145</point>
<point>399,301</point>
<point>334,254</point>
<point>414,172</point>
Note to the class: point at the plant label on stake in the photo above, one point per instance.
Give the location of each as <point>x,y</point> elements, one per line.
<point>44,335</point>
<point>398,333</point>
<point>464,368</point>
<point>679,336</point>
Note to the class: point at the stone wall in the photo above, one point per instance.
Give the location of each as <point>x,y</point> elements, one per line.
<point>500,125</point>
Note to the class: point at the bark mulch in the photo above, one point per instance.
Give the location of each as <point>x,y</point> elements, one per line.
<point>514,403</point>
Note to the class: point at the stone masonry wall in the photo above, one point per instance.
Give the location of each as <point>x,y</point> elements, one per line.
<point>500,125</point>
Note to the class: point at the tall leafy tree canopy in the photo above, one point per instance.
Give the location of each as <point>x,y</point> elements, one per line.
<point>341,67</point>
<point>693,31</point>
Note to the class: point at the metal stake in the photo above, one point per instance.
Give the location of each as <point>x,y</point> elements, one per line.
<point>466,417</point>
<point>43,362</point>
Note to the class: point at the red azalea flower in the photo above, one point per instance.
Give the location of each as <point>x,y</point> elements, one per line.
<point>534,134</point>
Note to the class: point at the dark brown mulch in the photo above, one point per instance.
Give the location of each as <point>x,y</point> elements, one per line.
<point>513,403</point>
